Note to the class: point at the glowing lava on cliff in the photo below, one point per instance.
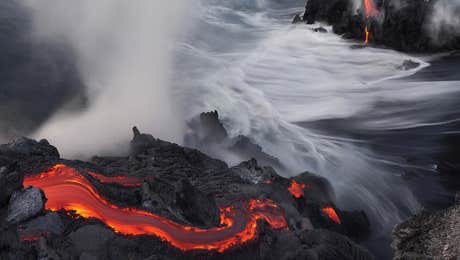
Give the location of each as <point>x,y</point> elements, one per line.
<point>370,11</point>
<point>297,189</point>
<point>332,214</point>
<point>65,188</point>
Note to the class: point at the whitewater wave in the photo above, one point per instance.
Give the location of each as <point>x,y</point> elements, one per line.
<point>266,77</point>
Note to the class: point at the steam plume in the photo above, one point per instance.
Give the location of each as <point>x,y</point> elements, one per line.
<point>123,54</point>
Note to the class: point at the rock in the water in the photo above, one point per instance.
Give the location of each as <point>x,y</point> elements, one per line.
<point>25,204</point>
<point>10,181</point>
<point>320,29</point>
<point>408,65</point>
<point>208,134</point>
<point>429,236</point>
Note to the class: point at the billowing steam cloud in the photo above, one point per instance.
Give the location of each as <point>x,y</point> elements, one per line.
<point>445,21</point>
<point>123,54</point>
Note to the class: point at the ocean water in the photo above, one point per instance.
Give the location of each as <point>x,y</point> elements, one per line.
<point>320,103</point>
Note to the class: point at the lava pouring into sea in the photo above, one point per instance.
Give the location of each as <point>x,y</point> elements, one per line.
<point>66,188</point>
<point>370,11</point>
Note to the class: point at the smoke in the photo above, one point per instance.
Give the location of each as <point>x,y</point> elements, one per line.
<point>123,50</point>
<point>444,23</point>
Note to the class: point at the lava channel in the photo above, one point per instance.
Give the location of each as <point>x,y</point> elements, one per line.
<point>125,181</point>
<point>65,188</point>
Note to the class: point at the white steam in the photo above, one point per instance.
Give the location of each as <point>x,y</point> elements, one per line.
<point>123,49</point>
<point>444,23</point>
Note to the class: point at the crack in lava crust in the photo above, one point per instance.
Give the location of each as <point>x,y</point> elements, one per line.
<point>65,188</point>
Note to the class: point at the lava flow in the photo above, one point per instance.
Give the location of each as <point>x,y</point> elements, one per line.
<point>65,188</point>
<point>297,189</point>
<point>370,11</point>
<point>126,181</point>
<point>330,212</point>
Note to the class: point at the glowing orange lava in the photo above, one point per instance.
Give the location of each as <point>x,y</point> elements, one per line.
<point>370,11</point>
<point>366,31</point>
<point>30,238</point>
<point>297,189</point>
<point>369,8</point>
<point>65,188</point>
<point>126,181</point>
<point>330,212</point>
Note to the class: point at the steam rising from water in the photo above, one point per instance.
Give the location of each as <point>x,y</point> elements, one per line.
<point>124,57</point>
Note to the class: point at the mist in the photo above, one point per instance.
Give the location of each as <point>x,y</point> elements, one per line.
<point>444,24</point>
<point>123,53</point>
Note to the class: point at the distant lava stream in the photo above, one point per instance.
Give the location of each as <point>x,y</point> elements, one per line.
<point>65,188</point>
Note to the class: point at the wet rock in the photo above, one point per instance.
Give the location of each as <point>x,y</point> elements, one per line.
<point>429,235</point>
<point>251,172</point>
<point>208,134</point>
<point>25,204</point>
<point>10,181</point>
<point>297,19</point>
<point>320,29</point>
<point>408,65</point>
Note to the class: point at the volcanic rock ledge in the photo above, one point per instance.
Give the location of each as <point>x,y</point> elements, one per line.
<point>176,183</point>
<point>404,25</point>
<point>429,235</point>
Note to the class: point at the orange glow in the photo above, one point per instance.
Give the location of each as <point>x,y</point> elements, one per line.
<point>65,188</point>
<point>30,238</point>
<point>370,11</point>
<point>297,189</point>
<point>366,31</point>
<point>126,181</point>
<point>330,212</point>
<point>369,8</point>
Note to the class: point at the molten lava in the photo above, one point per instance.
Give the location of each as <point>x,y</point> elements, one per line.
<point>125,181</point>
<point>65,188</point>
<point>370,11</point>
<point>330,212</point>
<point>297,189</point>
<point>369,8</point>
<point>366,31</point>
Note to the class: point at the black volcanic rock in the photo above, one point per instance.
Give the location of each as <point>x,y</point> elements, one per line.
<point>186,187</point>
<point>208,134</point>
<point>402,25</point>
<point>25,204</point>
<point>10,181</point>
<point>429,235</point>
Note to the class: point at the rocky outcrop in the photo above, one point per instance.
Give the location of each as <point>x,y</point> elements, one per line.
<point>208,134</point>
<point>402,25</point>
<point>184,186</point>
<point>25,204</point>
<point>429,235</point>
